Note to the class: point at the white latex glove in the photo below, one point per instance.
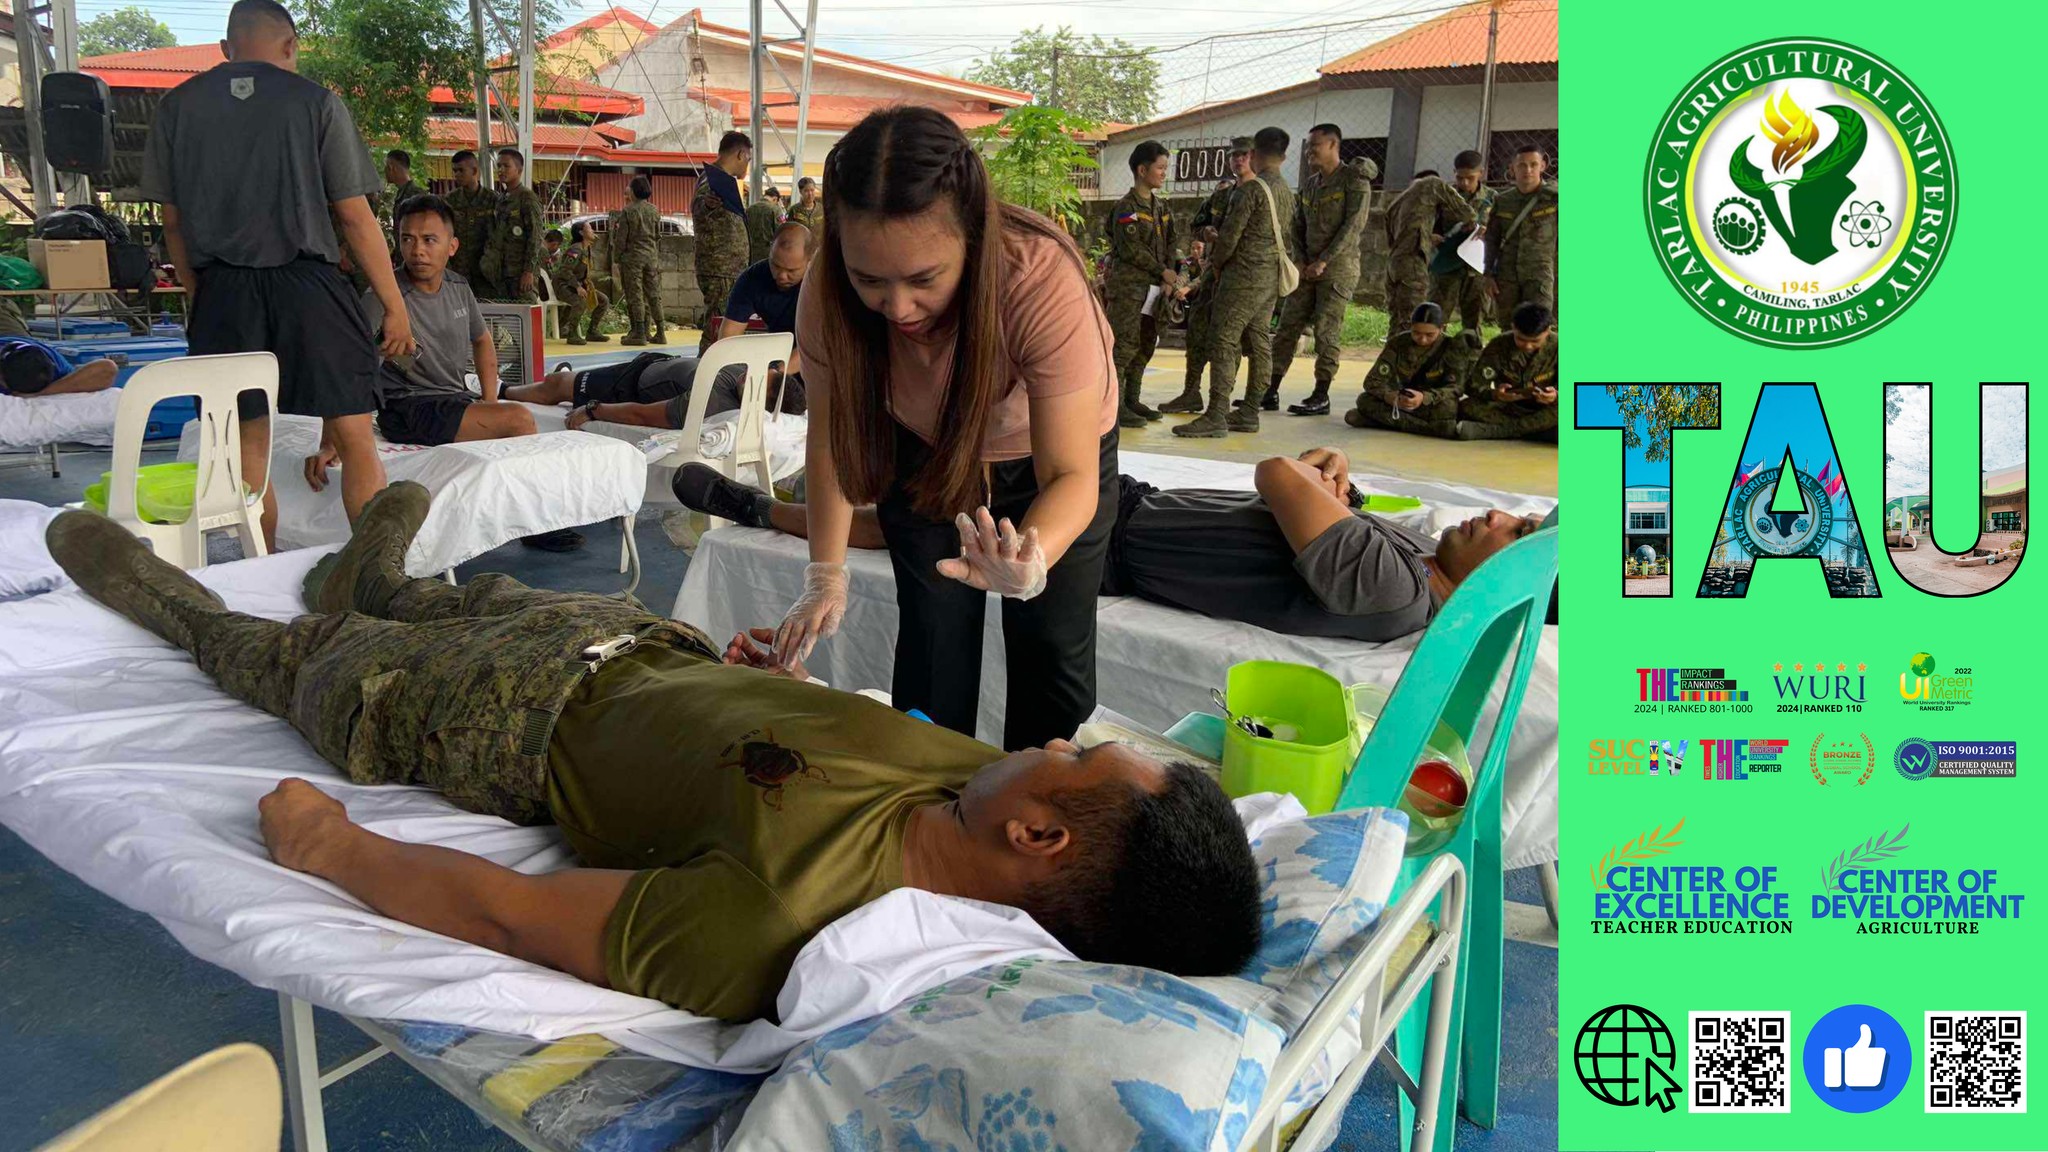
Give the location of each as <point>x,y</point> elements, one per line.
<point>814,616</point>
<point>995,559</point>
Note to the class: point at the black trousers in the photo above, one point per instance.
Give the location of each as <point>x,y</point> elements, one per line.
<point>1048,640</point>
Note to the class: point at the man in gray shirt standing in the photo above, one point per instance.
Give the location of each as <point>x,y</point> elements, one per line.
<point>255,167</point>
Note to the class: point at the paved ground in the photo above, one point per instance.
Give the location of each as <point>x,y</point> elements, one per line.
<point>1647,586</point>
<point>1932,571</point>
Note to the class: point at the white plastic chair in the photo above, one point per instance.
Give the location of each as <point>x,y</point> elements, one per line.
<point>756,351</point>
<point>217,500</point>
<point>550,307</point>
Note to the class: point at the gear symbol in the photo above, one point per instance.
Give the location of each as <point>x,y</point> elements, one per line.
<point>1739,226</point>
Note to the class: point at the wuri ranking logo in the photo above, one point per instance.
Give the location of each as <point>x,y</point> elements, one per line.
<point>1800,193</point>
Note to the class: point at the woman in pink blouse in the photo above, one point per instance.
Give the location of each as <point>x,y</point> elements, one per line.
<point>960,379</point>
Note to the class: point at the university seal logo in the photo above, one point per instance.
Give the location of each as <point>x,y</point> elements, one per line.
<point>1800,193</point>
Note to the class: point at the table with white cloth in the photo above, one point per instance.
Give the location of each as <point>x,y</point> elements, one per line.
<point>1154,664</point>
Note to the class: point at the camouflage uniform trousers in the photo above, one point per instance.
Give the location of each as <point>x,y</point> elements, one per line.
<point>586,303</point>
<point>716,289</point>
<point>1509,419</point>
<point>1510,294</point>
<point>1407,286</point>
<point>1438,415</point>
<point>1462,294</point>
<point>1241,319</point>
<point>642,289</point>
<point>1137,336</point>
<point>1199,329</point>
<point>1317,305</point>
<point>454,689</point>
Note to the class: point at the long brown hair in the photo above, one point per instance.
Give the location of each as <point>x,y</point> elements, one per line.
<point>899,162</point>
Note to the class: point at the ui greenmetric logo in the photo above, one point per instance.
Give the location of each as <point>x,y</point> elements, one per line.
<point>1800,193</point>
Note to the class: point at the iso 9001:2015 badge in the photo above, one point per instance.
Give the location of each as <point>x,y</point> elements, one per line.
<point>1800,193</point>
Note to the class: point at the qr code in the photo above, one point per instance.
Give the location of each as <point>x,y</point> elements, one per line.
<point>1738,1062</point>
<point>1977,1062</point>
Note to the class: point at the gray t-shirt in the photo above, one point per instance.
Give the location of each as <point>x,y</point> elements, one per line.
<point>252,156</point>
<point>446,323</point>
<point>1222,554</point>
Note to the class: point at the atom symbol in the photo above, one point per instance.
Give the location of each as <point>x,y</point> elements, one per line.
<point>1865,224</point>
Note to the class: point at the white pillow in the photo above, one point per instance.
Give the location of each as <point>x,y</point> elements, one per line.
<point>25,565</point>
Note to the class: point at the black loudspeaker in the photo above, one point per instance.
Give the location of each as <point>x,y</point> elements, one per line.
<point>78,123</point>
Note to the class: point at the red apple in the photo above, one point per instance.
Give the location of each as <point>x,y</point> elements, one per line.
<point>1436,790</point>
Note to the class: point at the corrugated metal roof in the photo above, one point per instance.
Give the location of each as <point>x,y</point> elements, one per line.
<point>1004,96</point>
<point>166,68</point>
<point>835,112</point>
<point>608,16</point>
<point>1457,39</point>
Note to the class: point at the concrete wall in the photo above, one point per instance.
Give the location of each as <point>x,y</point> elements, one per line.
<point>680,300</point>
<point>659,73</point>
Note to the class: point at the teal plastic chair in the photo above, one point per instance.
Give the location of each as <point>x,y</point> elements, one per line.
<point>1447,680</point>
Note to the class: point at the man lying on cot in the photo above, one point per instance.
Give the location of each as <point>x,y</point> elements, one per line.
<point>653,389</point>
<point>29,367</point>
<point>723,814</point>
<point>1295,557</point>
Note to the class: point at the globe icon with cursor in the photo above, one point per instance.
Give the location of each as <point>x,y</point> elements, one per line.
<point>1624,1056</point>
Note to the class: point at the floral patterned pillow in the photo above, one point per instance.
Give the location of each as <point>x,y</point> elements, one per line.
<point>1049,1055</point>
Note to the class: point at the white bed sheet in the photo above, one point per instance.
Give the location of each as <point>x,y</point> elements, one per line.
<point>1154,664</point>
<point>486,492</point>
<point>126,766</point>
<point>71,418</point>
<point>26,568</point>
<point>785,435</point>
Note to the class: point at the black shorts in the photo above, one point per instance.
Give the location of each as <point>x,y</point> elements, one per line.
<point>431,419</point>
<point>649,378</point>
<point>307,315</point>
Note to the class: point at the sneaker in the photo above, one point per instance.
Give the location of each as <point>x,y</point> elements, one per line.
<point>117,570</point>
<point>564,366</point>
<point>376,546</point>
<point>701,488</point>
<point>1313,406</point>
<point>560,540</point>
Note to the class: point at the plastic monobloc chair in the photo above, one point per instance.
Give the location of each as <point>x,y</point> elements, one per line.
<point>217,499</point>
<point>1448,680</point>
<point>755,351</point>
<point>228,1100</point>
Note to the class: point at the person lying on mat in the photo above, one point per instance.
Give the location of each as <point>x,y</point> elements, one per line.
<point>653,390</point>
<point>424,399</point>
<point>29,367</point>
<point>723,815</point>
<point>1295,557</point>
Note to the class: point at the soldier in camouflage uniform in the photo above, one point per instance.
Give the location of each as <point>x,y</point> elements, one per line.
<point>809,209</point>
<point>636,243</point>
<point>1514,391</point>
<point>392,680</point>
<point>1200,290</point>
<point>1415,384</point>
<point>398,171</point>
<point>1427,208</point>
<point>1453,283</point>
<point>1329,220</point>
<point>764,216</point>
<point>1521,239</point>
<point>721,225</point>
<point>1246,267</point>
<point>474,205</point>
<point>511,259</point>
<point>569,268</point>
<point>1141,260</point>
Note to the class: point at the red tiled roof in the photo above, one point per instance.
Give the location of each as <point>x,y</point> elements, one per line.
<point>594,144</point>
<point>608,16</point>
<point>166,68</point>
<point>1006,97</point>
<point>1457,39</point>
<point>833,112</point>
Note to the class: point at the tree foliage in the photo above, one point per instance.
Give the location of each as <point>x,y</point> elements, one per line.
<point>1650,411</point>
<point>1099,79</point>
<point>129,29</point>
<point>1032,157</point>
<point>386,57</point>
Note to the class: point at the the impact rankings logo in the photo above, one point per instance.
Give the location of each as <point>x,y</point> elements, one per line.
<point>1800,192</point>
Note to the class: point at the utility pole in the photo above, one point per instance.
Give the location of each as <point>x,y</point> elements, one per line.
<point>756,107</point>
<point>483,89</point>
<point>1485,143</point>
<point>526,17</point>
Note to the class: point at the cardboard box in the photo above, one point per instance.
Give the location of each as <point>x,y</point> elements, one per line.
<point>70,265</point>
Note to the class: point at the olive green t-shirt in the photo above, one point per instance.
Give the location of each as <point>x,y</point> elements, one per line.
<point>759,810</point>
